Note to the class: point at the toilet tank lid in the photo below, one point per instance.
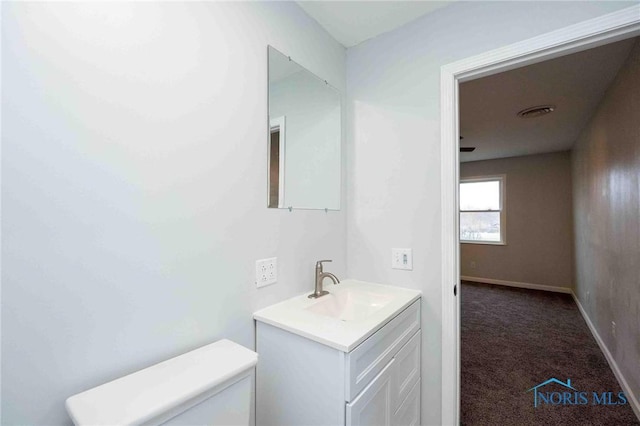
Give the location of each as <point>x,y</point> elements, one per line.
<point>146,394</point>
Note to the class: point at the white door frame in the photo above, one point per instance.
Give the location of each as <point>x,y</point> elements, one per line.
<point>602,30</point>
<point>279,124</point>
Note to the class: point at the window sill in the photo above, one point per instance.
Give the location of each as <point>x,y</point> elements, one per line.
<point>488,243</point>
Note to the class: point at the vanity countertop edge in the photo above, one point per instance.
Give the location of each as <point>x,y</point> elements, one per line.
<point>290,315</point>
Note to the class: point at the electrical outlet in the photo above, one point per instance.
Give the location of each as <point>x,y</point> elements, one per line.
<point>472,264</point>
<point>266,271</point>
<point>402,258</point>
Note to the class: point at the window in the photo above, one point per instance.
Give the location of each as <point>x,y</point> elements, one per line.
<point>482,210</point>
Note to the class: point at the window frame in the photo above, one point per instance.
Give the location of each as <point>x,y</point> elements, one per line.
<point>502,179</point>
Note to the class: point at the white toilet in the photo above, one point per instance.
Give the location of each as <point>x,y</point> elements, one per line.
<point>208,386</point>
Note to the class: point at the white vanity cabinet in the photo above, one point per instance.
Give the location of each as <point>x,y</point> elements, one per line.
<point>300,381</point>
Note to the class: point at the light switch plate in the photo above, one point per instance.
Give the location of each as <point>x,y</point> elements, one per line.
<point>402,258</point>
<point>266,271</point>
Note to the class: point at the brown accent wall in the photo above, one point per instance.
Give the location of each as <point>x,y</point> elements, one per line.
<point>539,237</point>
<point>606,183</point>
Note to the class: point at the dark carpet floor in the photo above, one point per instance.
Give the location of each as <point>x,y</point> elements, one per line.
<point>514,339</point>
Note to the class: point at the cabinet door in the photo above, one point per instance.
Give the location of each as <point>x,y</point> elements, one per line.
<point>406,370</point>
<point>409,412</point>
<point>373,405</point>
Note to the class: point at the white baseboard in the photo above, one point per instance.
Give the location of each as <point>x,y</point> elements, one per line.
<point>633,400</point>
<point>518,284</point>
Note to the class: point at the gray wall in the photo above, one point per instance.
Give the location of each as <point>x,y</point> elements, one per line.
<point>134,193</point>
<point>539,222</point>
<point>606,193</point>
<point>394,144</point>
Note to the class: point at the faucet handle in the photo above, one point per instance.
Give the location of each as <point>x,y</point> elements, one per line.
<point>320,262</point>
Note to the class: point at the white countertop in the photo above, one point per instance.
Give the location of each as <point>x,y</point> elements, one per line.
<point>293,315</point>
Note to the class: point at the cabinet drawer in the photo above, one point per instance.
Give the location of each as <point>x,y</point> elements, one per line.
<point>373,405</point>
<point>368,359</point>
<point>409,412</point>
<point>407,370</point>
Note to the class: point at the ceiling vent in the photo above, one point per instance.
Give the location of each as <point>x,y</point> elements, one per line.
<point>536,111</point>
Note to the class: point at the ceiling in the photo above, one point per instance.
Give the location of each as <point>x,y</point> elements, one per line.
<point>352,22</point>
<point>575,84</point>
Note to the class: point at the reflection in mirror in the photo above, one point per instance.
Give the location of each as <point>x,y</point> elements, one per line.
<point>276,166</point>
<point>304,138</point>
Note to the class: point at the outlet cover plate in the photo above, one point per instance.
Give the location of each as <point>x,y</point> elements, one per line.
<point>266,271</point>
<point>402,258</point>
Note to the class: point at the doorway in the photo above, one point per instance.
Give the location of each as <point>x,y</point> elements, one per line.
<point>592,33</point>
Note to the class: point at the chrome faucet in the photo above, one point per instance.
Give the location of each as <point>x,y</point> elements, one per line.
<point>320,276</point>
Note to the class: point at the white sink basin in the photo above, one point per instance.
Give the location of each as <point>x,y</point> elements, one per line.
<point>344,318</point>
<point>349,305</point>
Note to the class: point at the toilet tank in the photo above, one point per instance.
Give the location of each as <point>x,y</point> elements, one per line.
<point>210,385</point>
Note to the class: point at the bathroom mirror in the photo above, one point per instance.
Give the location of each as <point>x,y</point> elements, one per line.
<point>304,137</point>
